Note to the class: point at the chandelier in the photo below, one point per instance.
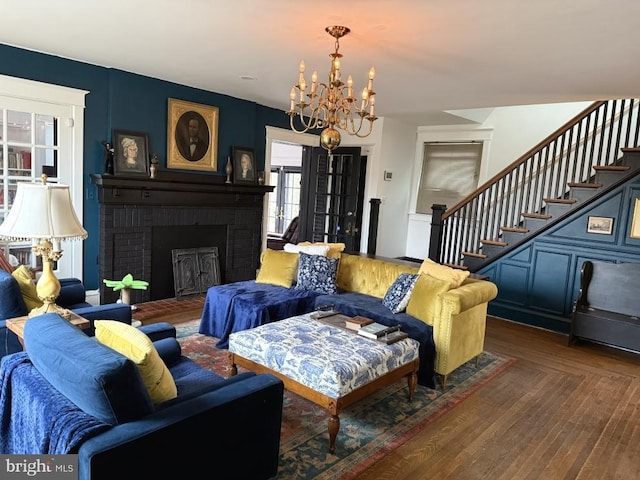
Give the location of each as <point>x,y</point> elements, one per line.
<point>333,104</point>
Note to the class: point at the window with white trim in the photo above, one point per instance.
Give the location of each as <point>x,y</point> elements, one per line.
<point>450,172</point>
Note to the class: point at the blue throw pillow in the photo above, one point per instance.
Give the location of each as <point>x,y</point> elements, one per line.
<point>397,297</point>
<point>317,273</point>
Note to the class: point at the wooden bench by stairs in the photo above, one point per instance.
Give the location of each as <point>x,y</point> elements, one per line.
<point>608,305</point>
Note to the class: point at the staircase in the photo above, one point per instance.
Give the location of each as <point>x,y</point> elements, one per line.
<point>593,153</point>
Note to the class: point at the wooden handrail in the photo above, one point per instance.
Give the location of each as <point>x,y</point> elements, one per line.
<point>594,137</point>
<point>524,157</point>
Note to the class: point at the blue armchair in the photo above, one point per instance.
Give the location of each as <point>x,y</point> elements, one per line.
<point>69,393</point>
<point>72,296</point>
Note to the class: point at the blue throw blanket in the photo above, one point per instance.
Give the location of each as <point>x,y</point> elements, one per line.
<point>243,305</point>
<point>35,417</point>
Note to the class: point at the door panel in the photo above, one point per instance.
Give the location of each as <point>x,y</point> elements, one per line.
<point>331,209</point>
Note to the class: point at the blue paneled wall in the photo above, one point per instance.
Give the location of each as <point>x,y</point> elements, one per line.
<point>539,281</point>
<point>126,101</point>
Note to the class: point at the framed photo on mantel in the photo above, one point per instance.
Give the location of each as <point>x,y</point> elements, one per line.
<point>244,168</point>
<point>131,153</point>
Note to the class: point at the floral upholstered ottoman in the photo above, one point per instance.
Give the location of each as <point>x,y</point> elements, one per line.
<point>325,364</point>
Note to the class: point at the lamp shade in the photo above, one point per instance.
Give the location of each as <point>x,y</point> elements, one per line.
<point>42,210</point>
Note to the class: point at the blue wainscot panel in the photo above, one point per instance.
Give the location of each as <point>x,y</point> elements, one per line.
<point>512,283</point>
<point>550,279</point>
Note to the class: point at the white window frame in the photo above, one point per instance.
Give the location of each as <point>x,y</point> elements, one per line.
<point>453,135</point>
<point>68,105</point>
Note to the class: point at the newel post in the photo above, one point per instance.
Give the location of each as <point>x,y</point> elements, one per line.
<point>437,227</point>
<point>373,225</point>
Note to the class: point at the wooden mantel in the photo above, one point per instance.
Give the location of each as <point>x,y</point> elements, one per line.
<point>175,189</point>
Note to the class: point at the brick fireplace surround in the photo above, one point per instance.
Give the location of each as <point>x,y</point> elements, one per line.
<point>143,219</point>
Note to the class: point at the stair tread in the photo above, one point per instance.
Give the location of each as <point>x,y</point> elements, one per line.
<point>455,265</point>
<point>630,149</point>
<point>494,242</point>
<point>542,216</point>
<point>560,200</point>
<point>514,229</point>
<point>473,254</point>
<point>612,168</point>
<point>585,185</point>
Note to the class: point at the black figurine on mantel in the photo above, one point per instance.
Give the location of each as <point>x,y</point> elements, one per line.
<point>108,157</point>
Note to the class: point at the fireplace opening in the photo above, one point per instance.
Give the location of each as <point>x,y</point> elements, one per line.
<point>167,238</point>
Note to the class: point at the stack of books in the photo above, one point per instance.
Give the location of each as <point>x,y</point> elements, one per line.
<point>355,323</point>
<point>382,333</point>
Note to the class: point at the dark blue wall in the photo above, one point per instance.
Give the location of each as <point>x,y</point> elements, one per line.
<point>126,101</point>
<point>539,281</point>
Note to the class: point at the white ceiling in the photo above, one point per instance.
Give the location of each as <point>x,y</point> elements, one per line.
<point>431,56</point>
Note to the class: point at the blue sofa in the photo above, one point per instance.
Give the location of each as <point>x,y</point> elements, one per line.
<point>72,296</point>
<point>68,393</point>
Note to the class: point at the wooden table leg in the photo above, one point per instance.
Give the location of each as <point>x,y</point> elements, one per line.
<point>334,427</point>
<point>412,381</point>
<point>232,368</point>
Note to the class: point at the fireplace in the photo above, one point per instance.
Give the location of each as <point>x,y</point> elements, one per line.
<point>143,219</point>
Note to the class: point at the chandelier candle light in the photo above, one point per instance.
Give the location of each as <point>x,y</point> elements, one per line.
<point>332,104</point>
<point>43,214</point>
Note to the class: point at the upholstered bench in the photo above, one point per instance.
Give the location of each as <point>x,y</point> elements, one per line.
<point>325,364</point>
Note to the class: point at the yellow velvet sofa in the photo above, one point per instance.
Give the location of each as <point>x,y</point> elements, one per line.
<point>457,315</point>
<point>445,312</point>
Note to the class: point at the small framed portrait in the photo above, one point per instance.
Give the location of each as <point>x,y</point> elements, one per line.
<point>601,225</point>
<point>192,136</point>
<point>635,223</point>
<point>244,167</point>
<point>130,153</point>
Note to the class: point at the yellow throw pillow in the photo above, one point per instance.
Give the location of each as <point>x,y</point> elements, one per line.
<point>137,347</point>
<point>277,268</point>
<point>454,276</point>
<point>424,304</point>
<point>335,249</point>
<point>27,287</point>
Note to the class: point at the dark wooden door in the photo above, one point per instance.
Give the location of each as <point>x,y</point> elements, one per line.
<point>332,196</point>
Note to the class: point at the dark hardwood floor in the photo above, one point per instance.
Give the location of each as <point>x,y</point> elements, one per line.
<point>558,412</point>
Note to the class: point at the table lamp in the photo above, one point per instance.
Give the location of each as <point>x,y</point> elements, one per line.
<point>43,214</point>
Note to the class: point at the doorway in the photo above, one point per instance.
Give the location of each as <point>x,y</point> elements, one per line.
<point>331,212</point>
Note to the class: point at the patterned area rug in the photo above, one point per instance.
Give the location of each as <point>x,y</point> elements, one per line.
<point>369,429</point>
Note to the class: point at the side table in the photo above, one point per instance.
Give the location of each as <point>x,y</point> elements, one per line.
<point>16,324</point>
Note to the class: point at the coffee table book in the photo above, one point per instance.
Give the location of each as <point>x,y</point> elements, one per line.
<point>354,323</point>
<point>376,330</point>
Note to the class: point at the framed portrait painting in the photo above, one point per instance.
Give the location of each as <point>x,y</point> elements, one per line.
<point>244,167</point>
<point>192,136</point>
<point>130,153</point>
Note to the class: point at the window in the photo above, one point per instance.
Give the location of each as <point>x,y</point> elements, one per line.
<point>449,173</point>
<point>284,201</point>
<point>41,132</point>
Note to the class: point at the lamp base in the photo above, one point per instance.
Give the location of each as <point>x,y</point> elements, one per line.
<point>50,308</point>
<point>48,286</point>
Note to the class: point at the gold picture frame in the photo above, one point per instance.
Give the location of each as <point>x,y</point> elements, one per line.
<point>635,223</point>
<point>192,136</point>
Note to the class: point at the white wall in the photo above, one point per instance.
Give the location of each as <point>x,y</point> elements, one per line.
<point>507,133</point>
<point>390,147</point>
